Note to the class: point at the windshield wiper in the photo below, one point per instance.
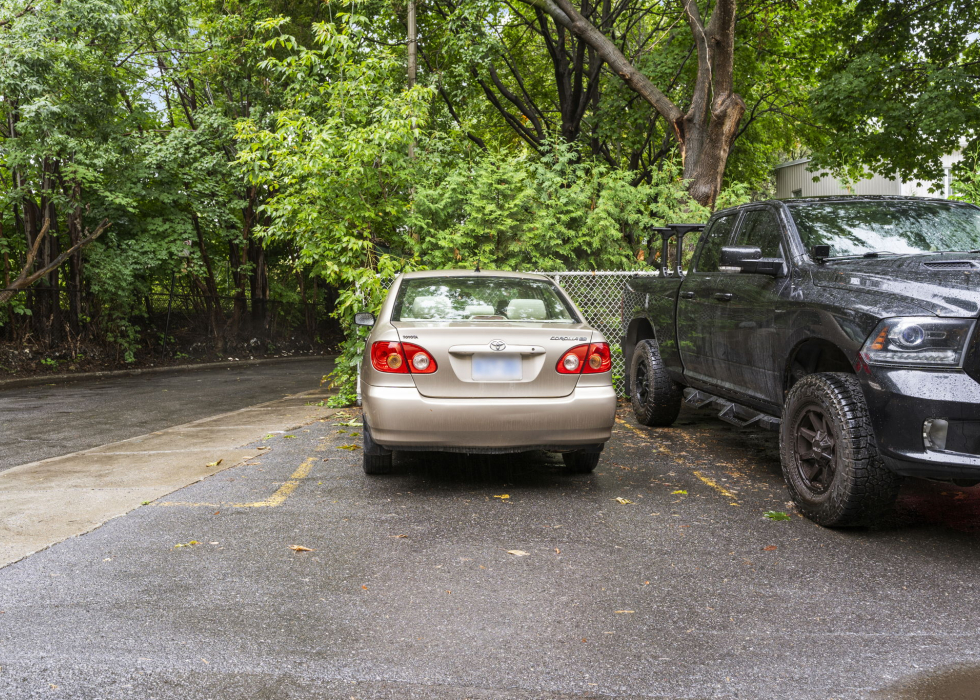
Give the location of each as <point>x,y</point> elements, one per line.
<point>869,254</point>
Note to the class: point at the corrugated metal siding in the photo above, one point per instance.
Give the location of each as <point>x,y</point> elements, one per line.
<point>797,177</point>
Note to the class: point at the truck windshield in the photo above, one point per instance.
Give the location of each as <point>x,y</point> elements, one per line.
<point>900,227</point>
<point>483,298</point>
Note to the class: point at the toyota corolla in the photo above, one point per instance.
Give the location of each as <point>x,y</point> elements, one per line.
<point>484,362</point>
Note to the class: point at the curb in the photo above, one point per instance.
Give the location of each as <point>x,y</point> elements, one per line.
<point>108,374</point>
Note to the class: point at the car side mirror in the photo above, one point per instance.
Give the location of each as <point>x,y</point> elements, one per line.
<point>748,259</point>
<point>364,318</point>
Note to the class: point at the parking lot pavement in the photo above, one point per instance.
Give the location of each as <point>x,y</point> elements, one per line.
<point>40,422</point>
<point>499,577</point>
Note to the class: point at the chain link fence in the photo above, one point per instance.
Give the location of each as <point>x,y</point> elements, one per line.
<point>599,295</point>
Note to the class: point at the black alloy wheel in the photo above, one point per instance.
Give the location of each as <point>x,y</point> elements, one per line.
<point>815,449</point>
<point>656,398</point>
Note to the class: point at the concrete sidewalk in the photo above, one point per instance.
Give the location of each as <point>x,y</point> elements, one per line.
<point>48,501</point>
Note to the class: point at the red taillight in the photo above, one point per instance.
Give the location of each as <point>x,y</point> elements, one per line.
<point>586,359</point>
<point>419,359</point>
<point>389,357</point>
<point>571,362</point>
<point>598,359</point>
<point>401,358</point>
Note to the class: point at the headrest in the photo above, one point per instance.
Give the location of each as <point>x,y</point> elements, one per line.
<point>431,307</point>
<point>479,310</point>
<point>528,309</point>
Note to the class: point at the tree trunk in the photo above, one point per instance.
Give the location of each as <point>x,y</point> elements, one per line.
<point>706,132</point>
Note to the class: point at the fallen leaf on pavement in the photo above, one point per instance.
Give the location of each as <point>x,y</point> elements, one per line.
<point>263,447</point>
<point>506,495</point>
<point>624,501</point>
<point>397,537</point>
<point>681,492</point>
<point>214,464</point>
<point>188,544</point>
<point>557,551</point>
<point>300,548</point>
<point>348,447</point>
<point>770,548</point>
<point>623,612</point>
<point>518,552</point>
<point>364,587</point>
<point>776,515</point>
<point>289,436</point>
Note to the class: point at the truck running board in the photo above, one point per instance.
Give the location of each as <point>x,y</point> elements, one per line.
<point>730,412</point>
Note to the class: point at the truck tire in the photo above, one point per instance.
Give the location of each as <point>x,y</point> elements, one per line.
<point>376,459</point>
<point>581,461</point>
<point>829,457</point>
<point>656,398</point>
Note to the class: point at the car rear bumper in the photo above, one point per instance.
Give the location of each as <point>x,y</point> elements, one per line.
<point>902,400</point>
<point>401,418</point>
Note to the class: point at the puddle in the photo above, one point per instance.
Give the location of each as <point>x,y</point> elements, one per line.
<point>957,683</point>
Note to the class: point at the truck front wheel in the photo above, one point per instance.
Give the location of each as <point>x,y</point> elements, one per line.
<point>655,396</point>
<point>828,453</point>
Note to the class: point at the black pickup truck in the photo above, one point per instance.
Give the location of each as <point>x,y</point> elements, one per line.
<point>849,324</point>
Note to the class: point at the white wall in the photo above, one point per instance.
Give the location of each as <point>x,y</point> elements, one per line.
<point>794,179</point>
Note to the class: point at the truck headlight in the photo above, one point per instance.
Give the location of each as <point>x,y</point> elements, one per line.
<point>919,342</point>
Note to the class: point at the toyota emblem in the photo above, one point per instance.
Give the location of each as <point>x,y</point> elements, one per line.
<point>497,345</point>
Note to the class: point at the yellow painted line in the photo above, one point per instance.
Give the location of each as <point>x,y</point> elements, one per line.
<point>632,427</point>
<point>276,499</point>
<point>716,486</point>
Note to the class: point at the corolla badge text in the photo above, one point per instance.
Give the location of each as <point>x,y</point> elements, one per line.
<point>569,337</point>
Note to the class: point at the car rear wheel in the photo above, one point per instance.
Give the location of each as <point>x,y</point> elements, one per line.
<point>581,461</point>
<point>829,457</point>
<point>376,459</point>
<point>656,398</point>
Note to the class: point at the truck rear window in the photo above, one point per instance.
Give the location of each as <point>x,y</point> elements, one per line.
<point>900,227</point>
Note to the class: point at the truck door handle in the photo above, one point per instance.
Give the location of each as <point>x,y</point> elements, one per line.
<point>722,296</point>
<point>687,295</point>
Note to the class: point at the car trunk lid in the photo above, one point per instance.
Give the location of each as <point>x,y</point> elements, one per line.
<point>495,360</point>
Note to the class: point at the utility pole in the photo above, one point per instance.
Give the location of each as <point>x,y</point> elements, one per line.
<point>412,59</point>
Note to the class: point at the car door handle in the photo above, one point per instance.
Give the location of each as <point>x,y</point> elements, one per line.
<point>687,295</point>
<point>722,296</point>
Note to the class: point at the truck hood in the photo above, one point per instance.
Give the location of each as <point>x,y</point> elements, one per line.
<point>944,285</point>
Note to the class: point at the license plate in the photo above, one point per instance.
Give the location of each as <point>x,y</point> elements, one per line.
<point>496,368</point>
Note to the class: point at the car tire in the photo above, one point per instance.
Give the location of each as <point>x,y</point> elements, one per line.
<point>377,460</point>
<point>829,457</point>
<point>656,398</point>
<point>581,461</point>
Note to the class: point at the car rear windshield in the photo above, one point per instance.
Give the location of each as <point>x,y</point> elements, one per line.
<point>483,298</point>
<point>901,227</point>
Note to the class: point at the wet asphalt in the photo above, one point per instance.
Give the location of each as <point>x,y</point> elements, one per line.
<point>51,420</point>
<point>501,577</point>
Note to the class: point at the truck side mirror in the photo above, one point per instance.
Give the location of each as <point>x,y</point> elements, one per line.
<point>735,255</point>
<point>364,318</point>
<point>749,259</point>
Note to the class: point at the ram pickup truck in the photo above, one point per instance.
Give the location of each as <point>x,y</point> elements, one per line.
<point>848,324</point>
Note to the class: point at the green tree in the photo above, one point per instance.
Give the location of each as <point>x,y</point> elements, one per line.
<point>902,87</point>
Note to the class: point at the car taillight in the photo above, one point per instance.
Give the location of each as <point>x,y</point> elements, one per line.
<point>389,357</point>
<point>598,359</point>
<point>571,362</point>
<point>401,358</point>
<point>419,359</point>
<point>586,359</point>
